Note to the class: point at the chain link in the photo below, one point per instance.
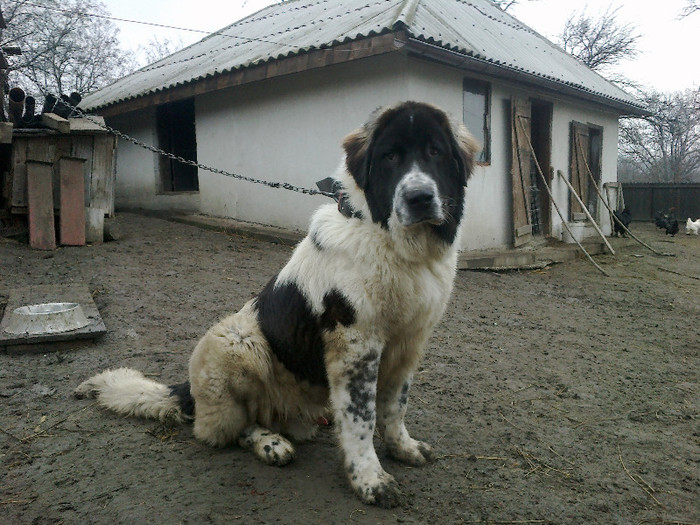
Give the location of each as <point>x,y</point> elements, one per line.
<point>116,132</point>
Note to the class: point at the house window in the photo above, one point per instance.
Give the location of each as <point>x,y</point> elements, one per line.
<point>477,115</point>
<point>176,134</point>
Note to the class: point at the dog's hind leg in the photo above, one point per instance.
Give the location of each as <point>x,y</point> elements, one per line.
<point>219,423</point>
<point>268,446</point>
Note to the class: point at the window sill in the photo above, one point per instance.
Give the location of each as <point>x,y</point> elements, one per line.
<point>169,193</point>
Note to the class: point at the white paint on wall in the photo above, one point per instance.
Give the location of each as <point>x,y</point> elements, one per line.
<point>137,183</point>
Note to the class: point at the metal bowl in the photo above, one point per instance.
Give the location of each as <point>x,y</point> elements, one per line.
<point>47,318</point>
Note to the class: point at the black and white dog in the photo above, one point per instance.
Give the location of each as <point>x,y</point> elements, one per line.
<point>344,324</point>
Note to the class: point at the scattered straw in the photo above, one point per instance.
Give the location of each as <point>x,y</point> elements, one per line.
<point>638,480</point>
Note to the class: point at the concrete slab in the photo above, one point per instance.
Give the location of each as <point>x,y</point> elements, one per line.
<point>74,293</point>
<point>527,257</point>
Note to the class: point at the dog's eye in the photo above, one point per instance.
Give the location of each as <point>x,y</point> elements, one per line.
<point>433,151</point>
<point>392,156</point>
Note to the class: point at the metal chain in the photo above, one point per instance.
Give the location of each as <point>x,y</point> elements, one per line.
<point>116,132</point>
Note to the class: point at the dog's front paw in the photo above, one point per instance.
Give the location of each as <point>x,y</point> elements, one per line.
<point>380,489</point>
<point>411,452</point>
<point>269,447</point>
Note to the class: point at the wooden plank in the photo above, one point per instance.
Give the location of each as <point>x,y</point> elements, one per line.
<point>72,218</point>
<point>94,225</point>
<point>6,132</point>
<point>93,123</point>
<point>520,170</point>
<point>81,148</point>
<point>578,157</point>
<point>43,149</point>
<point>42,235</point>
<point>53,121</point>
<point>523,230</point>
<point>19,172</point>
<point>61,148</point>
<point>102,178</point>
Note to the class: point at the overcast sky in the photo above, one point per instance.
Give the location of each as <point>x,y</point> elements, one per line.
<point>669,47</point>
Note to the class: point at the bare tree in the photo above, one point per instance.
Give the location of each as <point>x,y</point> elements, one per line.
<point>67,45</point>
<point>665,145</point>
<point>691,7</point>
<point>599,42</point>
<point>158,48</point>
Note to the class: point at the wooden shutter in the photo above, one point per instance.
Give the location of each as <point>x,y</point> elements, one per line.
<point>520,170</point>
<point>579,154</point>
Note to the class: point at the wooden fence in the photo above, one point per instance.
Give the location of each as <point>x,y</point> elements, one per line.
<point>647,199</point>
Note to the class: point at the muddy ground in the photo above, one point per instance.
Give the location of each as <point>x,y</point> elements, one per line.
<point>555,396</point>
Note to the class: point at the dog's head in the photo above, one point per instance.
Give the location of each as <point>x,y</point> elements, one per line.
<point>412,165</point>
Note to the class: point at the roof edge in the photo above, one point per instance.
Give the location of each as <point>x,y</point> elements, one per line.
<point>388,42</point>
<point>476,64</point>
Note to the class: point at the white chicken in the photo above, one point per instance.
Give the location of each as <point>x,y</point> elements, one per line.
<point>692,226</point>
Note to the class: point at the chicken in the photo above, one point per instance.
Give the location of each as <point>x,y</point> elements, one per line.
<point>692,226</point>
<point>672,228</point>
<point>625,217</point>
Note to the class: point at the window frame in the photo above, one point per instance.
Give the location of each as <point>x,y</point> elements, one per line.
<point>479,88</point>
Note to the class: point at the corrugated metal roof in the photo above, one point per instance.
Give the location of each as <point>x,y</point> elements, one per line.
<point>471,28</point>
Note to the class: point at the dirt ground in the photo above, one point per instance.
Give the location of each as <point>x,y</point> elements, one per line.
<point>555,396</point>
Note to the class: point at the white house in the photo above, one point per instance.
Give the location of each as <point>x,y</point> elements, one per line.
<point>272,95</point>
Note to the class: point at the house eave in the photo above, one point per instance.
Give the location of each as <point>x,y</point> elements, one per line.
<point>394,41</point>
<point>312,59</point>
<point>425,50</point>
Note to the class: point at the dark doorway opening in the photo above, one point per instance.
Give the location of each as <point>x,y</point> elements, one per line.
<point>177,135</point>
<point>541,137</point>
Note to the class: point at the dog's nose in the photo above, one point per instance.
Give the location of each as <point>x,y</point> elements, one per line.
<point>419,197</point>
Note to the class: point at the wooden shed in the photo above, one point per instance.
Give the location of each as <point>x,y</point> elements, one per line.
<point>61,174</point>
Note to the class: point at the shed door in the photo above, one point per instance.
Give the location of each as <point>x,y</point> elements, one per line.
<point>580,161</point>
<point>520,170</point>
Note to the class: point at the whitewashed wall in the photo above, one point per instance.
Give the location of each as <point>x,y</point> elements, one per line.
<point>290,129</point>
<point>287,130</point>
<point>137,185</point>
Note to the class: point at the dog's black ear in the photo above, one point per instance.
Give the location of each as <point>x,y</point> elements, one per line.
<point>356,146</point>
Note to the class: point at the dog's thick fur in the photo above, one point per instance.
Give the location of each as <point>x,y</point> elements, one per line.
<point>344,324</point>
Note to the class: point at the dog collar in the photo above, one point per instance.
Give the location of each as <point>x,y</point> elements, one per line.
<point>331,185</point>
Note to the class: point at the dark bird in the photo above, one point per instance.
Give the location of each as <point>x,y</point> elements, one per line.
<point>672,228</point>
<point>625,217</point>
<point>661,220</point>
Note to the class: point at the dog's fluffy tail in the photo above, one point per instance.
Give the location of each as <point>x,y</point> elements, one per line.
<point>129,393</point>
